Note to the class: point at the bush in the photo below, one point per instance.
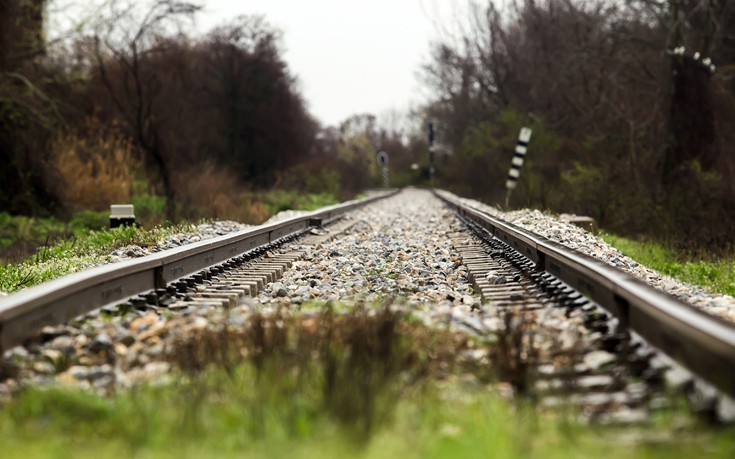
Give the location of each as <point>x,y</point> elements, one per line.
<point>150,210</point>
<point>280,200</point>
<point>310,179</point>
<point>97,170</point>
<point>89,220</point>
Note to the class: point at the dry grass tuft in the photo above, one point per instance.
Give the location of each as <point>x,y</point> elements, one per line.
<point>516,355</point>
<point>96,170</point>
<point>357,364</point>
<point>212,192</point>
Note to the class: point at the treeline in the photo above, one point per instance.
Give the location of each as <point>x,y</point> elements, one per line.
<point>136,106</point>
<point>631,105</point>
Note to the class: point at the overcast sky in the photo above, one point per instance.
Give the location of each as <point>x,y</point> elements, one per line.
<point>350,56</point>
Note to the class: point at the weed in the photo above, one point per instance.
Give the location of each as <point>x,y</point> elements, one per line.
<point>213,192</point>
<point>514,355</point>
<point>360,361</point>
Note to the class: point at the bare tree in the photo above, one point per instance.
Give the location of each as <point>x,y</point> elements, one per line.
<point>124,45</point>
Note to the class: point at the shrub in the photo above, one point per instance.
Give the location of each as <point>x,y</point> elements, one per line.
<point>213,192</point>
<point>97,170</point>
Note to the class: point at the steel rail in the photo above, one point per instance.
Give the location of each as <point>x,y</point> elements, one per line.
<point>24,313</point>
<point>702,343</point>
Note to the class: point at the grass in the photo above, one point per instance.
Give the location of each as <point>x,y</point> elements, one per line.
<point>72,254</point>
<point>280,200</point>
<point>366,384</point>
<point>21,230</point>
<point>220,417</point>
<point>718,276</point>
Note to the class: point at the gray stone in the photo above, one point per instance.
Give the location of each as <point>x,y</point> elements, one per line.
<point>101,343</point>
<point>79,372</point>
<point>496,279</point>
<point>44,368</point>
<point>63,343</point>
<point>598,359</point>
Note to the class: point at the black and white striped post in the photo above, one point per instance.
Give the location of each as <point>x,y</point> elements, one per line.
<point>518,157</point>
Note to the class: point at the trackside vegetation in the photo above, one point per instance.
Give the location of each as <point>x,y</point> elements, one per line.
<point>360,383</point>
<point>715,274</point>
<point>82,250</point>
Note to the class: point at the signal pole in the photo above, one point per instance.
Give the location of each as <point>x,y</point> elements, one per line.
<point>432,135</point>
<point>383,163</point>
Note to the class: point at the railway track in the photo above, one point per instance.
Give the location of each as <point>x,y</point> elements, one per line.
<point>524,283</point>
<point>26,312</point>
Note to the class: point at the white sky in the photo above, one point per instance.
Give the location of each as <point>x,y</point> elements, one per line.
<point>350,56</point>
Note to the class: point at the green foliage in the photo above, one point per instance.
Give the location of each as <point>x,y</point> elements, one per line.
<point>77,252</point>
<point>89,219</point>
<point>484,157</point>
<point>22,235</point>
<point>150,210</point>
<point>11,114</point>
<point>479,140</point>
<point>322,181</point>
<point>27,230</point>
<point>693,216</point>
<point>718,276</point>
<point>588,191</point>
<point>280,200</point>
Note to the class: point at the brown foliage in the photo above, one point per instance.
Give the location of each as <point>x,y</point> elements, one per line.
<point>226,99</point>
<point>361,361</point>
<point>212,192</point>
<point>98,169</point>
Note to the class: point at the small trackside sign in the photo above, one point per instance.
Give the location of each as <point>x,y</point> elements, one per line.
<point>383,159</point>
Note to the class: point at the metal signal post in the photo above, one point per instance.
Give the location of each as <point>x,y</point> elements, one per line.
<point>383,162</point>
<point>432,135</point>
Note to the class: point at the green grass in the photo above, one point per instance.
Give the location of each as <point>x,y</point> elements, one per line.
<point>279,200</point>
<point>78,252</point>
<point>242,415</point>
<point>717,276</point>
<point>35,231</point>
